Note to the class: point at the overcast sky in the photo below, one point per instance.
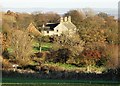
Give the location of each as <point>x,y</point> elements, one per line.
<point>59,3</point>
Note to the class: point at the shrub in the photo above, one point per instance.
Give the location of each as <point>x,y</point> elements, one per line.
<point>5,63</point>
<point>45,39</point>
<point>91,58</point>
<point>62,55</point>
<point>101,62</point>
<point>5,54</point>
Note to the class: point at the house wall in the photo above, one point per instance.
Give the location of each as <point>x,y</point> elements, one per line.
<point>60,29</point>
<point>48,33</point>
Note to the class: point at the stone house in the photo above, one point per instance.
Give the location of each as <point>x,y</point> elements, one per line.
<point>64,27</point>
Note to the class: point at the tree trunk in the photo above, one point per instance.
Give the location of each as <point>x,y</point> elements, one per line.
<point>40,48</point>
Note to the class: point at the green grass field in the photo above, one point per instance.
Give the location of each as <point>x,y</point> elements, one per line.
<point>55,81</point>
<point>61,84</point>
<point>45,46</point>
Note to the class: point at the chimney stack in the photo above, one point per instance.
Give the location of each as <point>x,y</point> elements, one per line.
<point>61,19</point>
<point>69,18</point>
<point>65,19</point>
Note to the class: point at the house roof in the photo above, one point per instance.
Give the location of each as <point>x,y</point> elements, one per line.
<point>69,25</point>
<point>50,26</point>
<point>32,29</point>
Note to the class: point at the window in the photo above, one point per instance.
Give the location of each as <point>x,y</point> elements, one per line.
<point>57,30</point>
<point>47,31</point>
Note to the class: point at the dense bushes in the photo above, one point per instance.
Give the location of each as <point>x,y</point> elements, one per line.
<point>62,55</point>
<point>94,57</point>
<point>73,50</point>
<point>66,47</point>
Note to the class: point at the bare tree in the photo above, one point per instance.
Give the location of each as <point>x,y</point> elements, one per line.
<point>89,12</point>
<point>22,47</point>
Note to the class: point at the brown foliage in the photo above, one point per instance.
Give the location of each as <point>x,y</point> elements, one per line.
<point>95,54</point>
<point>112,52</point>
<point>5,63</point>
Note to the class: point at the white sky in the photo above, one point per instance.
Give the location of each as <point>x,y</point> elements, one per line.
<point>59,3</point>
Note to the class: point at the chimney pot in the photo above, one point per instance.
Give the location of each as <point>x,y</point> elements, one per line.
<point>69,18</point>
<point>65,19</point>
<point>61,19</point>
